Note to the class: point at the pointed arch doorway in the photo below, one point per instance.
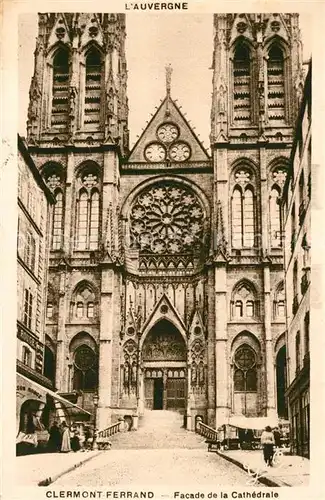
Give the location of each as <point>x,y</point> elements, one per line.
<point>164,355</point>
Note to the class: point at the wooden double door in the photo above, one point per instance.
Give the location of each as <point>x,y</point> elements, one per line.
<point>165,390</point>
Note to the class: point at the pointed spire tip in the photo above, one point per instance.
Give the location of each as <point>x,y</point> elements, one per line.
<point>169,71</point>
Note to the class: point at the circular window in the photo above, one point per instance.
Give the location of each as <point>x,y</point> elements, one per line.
<point>167,132</point>
<point>245,358</point>
<point>155,152</point>
<point>180,151</point>
<point>84,358</point>
<point>197,330</point>
<point>130,330</point>
<point>167,218</point>
<point>164,309</point>
<point>89,180</point>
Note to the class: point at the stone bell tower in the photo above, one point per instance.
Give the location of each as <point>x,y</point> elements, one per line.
<point>257,77</point>
<point>78,91</point>
<point>77,132</point>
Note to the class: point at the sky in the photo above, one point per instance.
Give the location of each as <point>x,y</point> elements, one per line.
<point>153,41</point>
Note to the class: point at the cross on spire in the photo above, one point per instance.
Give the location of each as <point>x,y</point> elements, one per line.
<point>169,71</point>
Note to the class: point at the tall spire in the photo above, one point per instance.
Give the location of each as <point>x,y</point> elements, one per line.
<point>169,71</point>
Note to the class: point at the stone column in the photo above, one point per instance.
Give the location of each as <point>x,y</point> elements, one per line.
<point>105,349</point>
<point>69,219</point>
<point>210,347</point>
<point>141,391</point>
<point>165,371</point>
<point>189,399</point>
<point>269,361</point>
<point>222,363</point>
<point>221,194</point>
<point>263,224</point>
<point>61,379</point>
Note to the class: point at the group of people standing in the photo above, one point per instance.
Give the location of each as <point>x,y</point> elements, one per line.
<point>64,439</point>
<point>59,438</point>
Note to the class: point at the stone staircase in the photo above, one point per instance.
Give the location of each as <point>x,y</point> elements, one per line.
<point>158,429</point>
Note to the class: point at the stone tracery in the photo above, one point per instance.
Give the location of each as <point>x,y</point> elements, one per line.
<point>167,219</point>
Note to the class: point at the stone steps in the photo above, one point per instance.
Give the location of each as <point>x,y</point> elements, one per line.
<point>158,429</point>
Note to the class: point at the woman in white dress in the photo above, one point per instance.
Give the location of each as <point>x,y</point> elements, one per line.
<point>66,446</point>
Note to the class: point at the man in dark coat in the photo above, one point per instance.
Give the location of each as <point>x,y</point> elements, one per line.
<point>277,437</point>
<point>55,439</point>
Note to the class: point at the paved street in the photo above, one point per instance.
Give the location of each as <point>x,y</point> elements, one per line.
<point>155,467</point>
<point>159,454</point>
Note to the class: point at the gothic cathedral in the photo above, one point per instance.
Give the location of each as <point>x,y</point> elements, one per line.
<point>166,268</point>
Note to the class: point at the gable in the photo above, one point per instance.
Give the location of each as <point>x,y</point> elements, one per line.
<point>168,114</point>
<point>92,31</point>
<point>276,26</point>
<point>59,32</point>
<point>163,310</point>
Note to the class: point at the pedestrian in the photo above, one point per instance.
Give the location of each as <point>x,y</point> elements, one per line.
<point>267,441</point>
<point>88,438</point>
<point>241,436</point>
<point>249,438</point>
<point>75,443</point>
<point>81,435</point>
<point>277,437</point>
<point>54,442</point>
<point>65,446</point>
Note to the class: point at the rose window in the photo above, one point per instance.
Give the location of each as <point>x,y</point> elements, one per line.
<point>279,176</point>
<point>53,181</point>
<point>242,176</point>
<point>167,219</point>
<point>84,358</point>
<point>89,180</point>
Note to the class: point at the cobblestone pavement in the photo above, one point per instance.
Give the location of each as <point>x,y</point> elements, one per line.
<point>161,453</point>
<point>31,469</point>
<point>147,468</point>
<point>287,470</point>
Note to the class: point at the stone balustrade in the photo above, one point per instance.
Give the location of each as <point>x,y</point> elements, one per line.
<point>103,436</point>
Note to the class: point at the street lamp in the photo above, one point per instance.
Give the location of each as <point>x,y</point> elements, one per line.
<point>95,401</point>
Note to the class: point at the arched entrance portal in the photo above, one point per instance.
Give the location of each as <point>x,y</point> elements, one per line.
<point>164,357</point>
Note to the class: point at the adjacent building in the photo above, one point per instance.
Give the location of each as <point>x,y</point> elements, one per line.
<point>34,228</point>
<point>297,228</point>
<point>36,390</point>
<point>166,274</point>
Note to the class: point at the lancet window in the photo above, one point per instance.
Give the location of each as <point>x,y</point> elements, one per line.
<point>60,90</point>
<point>87,212</point>
<point>93,84</point>
<point>245,370</point>
<point>243,211</point>
<point>242,85</point>
<point>275,81</point>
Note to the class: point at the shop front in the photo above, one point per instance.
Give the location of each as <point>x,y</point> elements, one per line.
<point>299,412</point>
<point>38,407</point>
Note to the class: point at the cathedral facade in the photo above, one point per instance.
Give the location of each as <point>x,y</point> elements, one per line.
<point>166,268</point>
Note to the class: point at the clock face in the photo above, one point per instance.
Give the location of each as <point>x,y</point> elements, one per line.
<point>155,152</point>
<point>167,133</point>
<point>180,151</point>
